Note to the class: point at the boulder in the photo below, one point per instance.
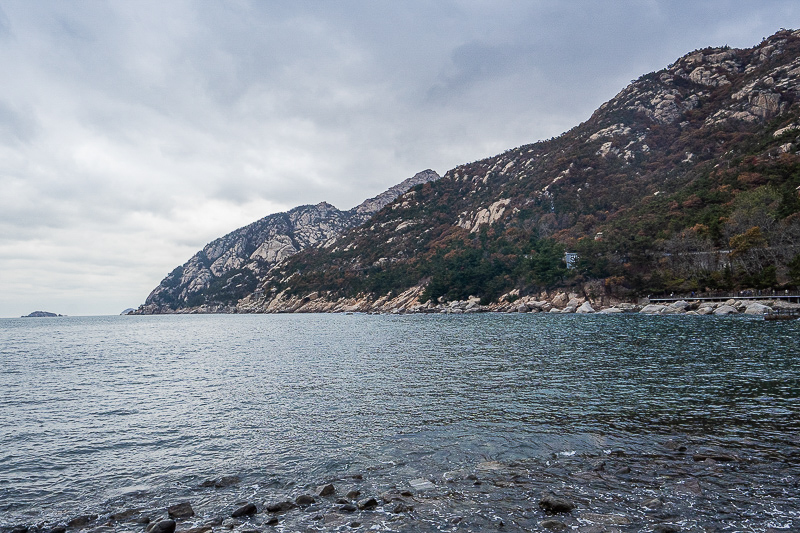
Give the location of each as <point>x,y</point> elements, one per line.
<point>81,521</point>
<point>569,309</point>
<point>221,482</point>
<point>705,310</point>
<point>680,304</point>
<point>610,311</point>
<point>585,307</point>
<point>522,308</point>
<point>368,504</point>
<point>653,309</point>
<point>725,310</point>
<point>755,308</point>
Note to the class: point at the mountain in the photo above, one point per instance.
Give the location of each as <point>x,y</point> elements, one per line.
<point>230,267</point>
<point>687,180</point>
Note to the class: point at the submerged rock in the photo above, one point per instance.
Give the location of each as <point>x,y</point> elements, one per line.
<point>326,490</point>
<point>304,499</point>
<point>280,507</point>
<point>180,510</point>
<point>248,509</point>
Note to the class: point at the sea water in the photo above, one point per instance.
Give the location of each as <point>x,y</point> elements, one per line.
<point>102,414</point>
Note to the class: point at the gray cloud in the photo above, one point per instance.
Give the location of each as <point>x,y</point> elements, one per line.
<point>132,133</point>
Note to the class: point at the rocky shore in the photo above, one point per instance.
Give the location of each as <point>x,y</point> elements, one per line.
<point>676,484</point>
<point>512,302</point>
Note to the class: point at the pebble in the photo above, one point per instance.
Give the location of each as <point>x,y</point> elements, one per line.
<point>248,509</point>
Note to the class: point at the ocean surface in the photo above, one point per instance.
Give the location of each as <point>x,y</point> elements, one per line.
<point>104,414</point>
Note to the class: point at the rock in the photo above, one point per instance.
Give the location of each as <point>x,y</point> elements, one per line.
<point>272,521</point>
<point>568,309</point>
<point>248,509</point>
<point>230,523</point>
<point>705,310</point>
<point>353,494</point>
<point>725,310</point>
<point>608,519</point>
<point>653,504</point>
<point>611,310</point>
<point>221,482</point>
<point>652,309</point>
<point>326,490</point>
<point>180,510</point>
<point>368,504</point>
<point>522,308</point>
<point>164,526</point>
<point>666,528</point>
<point>554,505</point>
<point>680,304</point>
<point>81,521</point>
<point>586,307</point>
<point>124,515</point>
<point>280,507</point>
<point>755,308</point>
<point>200,529</point>
<point>402,507</point>
<point>553,525</point>
<point>20,529</point>
<point>304,500</point>
<point>348,508</point>
<point>57,529</point>
<point>421,484</point>
<point>355,524</point>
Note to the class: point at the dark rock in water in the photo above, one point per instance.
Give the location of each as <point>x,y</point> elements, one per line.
<point>280,507</point>
<point>164,526</point>
<point>353,494</point>
<point>355,524</point>
<point>368,504</point>
<point>623,470</point>
<point>342,501</point>
<point>180,510</point>
<point>81,521</point>
<point>304,499</point>
<point>719,457</point>
<point>617,453</point>
<point>348,508</point>
<point>272,521</point>
<point>653,504</point>
<point>553,525</point>
<point>248,509</point>
<point>326,490</point>
<point>125,515</point>
<point>201,529</point>
<point>58,529</point>
<point>251,531</point>
<point>402,508</point>
<point>666,528</point>
<point>358,476</point>
<point>19,529</point>
<point>553,505</point>
<point>221,482</point>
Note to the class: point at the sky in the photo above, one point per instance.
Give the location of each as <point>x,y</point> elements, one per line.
<point>132,133</point>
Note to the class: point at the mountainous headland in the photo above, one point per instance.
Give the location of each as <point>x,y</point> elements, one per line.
<point>687,181</point>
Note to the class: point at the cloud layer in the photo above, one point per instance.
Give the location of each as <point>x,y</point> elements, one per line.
<point>133,133</point>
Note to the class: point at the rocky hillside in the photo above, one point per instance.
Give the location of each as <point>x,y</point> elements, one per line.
<point>229,268</point>
<point>686,180</point>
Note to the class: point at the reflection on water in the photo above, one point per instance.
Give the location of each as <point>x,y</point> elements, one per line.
<point>130,409</point>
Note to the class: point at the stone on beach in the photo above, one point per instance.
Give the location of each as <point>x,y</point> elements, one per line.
<point>725,310</point>
<point>81,521</point>
<point>304,499</point>
<point>368,504</point>
<point>653,309</point>
<point>585,307</point>
<point>280,507</point>
<point>221,482</point>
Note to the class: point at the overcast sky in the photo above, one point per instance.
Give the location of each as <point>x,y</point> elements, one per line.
<point>134,132</point>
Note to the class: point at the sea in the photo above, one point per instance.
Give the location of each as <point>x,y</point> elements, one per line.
<point>642,423</point>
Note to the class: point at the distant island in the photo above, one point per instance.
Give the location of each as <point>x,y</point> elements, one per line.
<point>41,314</point>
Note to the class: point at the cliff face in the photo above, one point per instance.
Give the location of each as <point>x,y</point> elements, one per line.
<point>687,172</point>
<point>229,268</point>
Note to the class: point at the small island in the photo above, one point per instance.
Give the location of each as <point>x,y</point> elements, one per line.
<point>41,314</point>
